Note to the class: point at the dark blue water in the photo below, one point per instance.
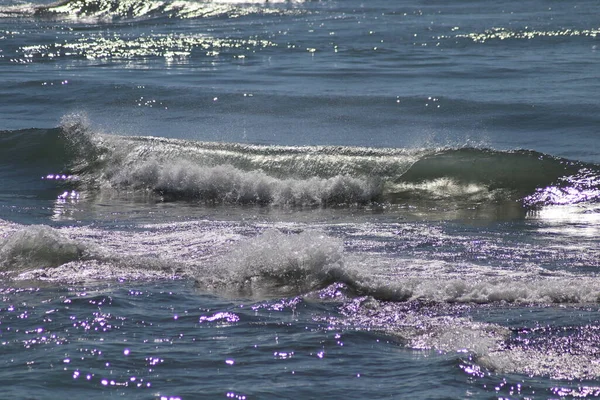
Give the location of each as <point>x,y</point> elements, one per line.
<point>299,199</point>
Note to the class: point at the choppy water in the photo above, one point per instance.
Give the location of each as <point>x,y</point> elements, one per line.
<point>299,199</point>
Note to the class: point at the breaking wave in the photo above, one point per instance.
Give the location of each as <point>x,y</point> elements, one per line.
<point>275,264</point>
<point>233,173</point>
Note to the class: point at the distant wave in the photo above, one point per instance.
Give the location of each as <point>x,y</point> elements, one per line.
<point>111,10</point>
<point>233,173</point>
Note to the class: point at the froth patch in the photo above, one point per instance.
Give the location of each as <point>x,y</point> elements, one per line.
<point>479,289</point>
<point>424,326</point>
<point>276,264</point>
<point>558,352</point>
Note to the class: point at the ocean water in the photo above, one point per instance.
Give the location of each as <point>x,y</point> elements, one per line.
<point>299,199</point>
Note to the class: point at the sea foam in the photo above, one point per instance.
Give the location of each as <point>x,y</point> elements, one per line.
<point>227,184</point>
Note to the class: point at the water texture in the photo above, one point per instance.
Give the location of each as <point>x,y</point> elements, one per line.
<point>299,199</point>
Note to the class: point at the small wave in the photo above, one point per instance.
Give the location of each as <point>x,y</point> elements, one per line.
<point>276,264</point>
<point>40,252</point>
<point>561,352</point>
<point>513,290</point>
<point>424,326</point>
<point>20,10</point>
<point>38,247</point>
<point>251,261</point>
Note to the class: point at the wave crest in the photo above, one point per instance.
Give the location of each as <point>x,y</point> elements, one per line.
<point>38,246</point>
<point>277,264</point>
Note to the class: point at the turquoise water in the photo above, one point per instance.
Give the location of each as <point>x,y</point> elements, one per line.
<point>337,199</point>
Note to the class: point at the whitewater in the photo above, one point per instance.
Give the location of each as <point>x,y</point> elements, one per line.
<point>299,199</point>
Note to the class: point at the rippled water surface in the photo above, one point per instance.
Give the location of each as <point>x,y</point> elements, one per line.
<point>299,199</point>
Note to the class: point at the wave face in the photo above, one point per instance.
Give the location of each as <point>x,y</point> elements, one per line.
<point>86,162</point>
